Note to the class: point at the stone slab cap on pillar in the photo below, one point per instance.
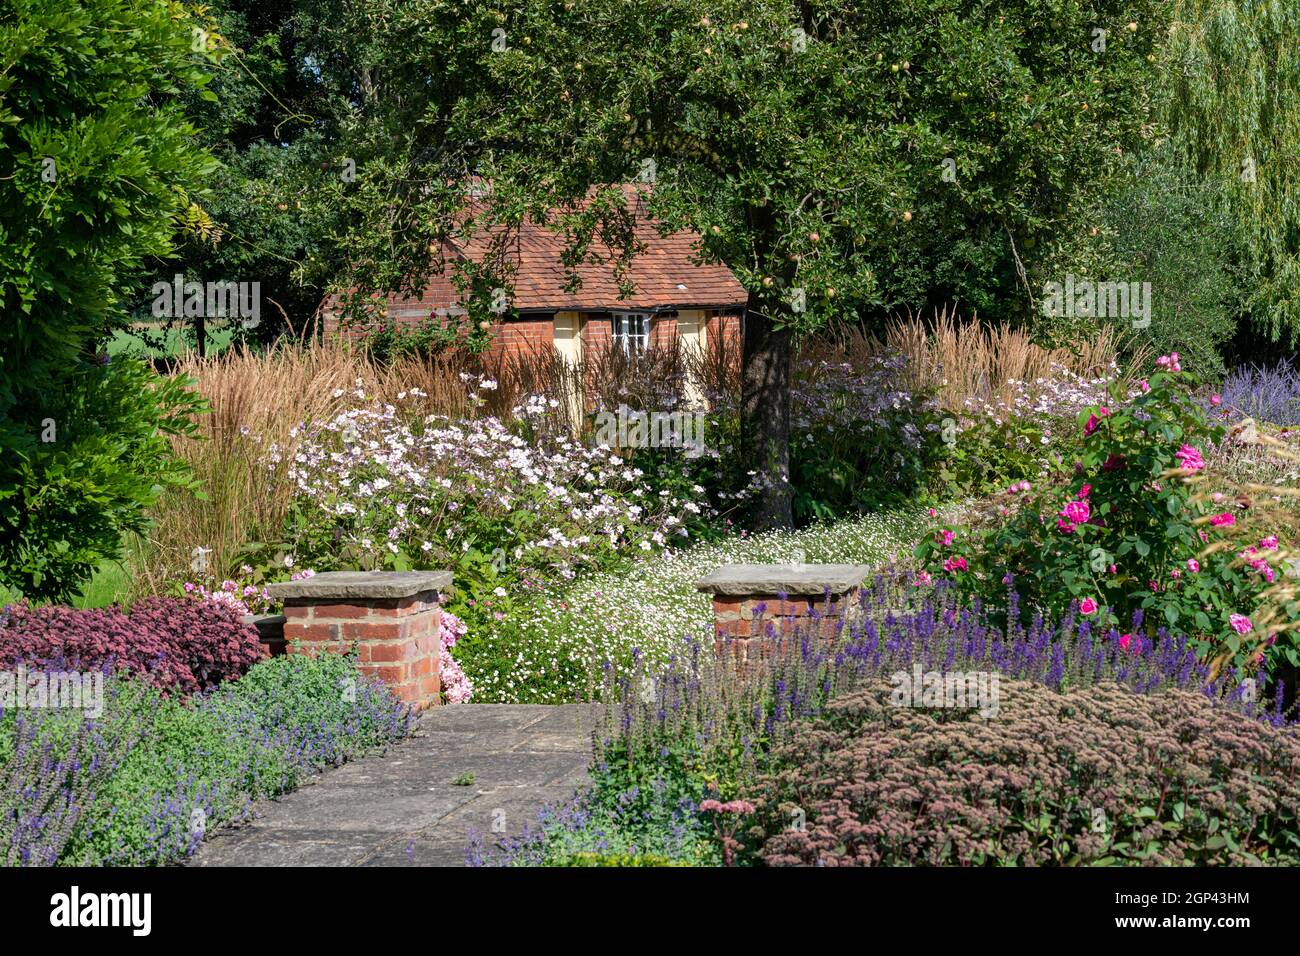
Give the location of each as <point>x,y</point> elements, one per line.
<point>361,585</point>
<point>773,579</point>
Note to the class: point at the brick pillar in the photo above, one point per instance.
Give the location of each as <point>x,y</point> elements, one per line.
<point>757,606</point>
<point>392,618</point>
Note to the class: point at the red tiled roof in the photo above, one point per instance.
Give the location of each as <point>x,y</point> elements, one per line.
<point>663,274</point>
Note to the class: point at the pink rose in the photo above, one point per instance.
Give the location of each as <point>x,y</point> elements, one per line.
<point>1270,542</point>
<point>1076,512</point>
<point>1125,642</point>
<point>1189,458</point>
<point>1088,606</point>
<point>1224,520</point>
<point>1240,623</point>
<point>1193,565</point>
<point>1095,420</point>
<point>1216,400</point>
<point>955,564</point>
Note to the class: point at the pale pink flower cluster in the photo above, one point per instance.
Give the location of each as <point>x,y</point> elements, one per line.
<point>245,599</point>
<point>456,687</point>
<point>425,489</point>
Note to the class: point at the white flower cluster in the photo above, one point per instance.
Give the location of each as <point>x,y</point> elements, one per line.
<point>557,642</point>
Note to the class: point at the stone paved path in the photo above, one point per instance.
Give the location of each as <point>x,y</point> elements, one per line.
<point>404,808</point>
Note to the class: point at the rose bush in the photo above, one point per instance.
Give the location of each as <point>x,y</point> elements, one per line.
<point>1133,538</point>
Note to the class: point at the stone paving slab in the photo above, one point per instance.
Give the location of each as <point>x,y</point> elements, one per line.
<point>403,808</point>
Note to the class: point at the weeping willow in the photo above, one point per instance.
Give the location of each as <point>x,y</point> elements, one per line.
<point>1234,111</point>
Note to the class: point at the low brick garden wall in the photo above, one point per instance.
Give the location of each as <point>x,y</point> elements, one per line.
<point>392,618</point>
<point>755,606</point>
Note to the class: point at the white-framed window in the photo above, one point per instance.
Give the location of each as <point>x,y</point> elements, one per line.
<point>631,331</point>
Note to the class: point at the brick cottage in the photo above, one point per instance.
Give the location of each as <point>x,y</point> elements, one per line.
<point>674,295</point>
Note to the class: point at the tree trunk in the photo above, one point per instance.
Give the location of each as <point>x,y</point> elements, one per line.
<point>765,416</point>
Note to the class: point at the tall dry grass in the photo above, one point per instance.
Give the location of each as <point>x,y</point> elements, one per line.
<point>256,400</point>
<point>963,359</point>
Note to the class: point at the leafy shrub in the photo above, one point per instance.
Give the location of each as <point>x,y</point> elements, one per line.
<point>1167,225</point>
<point>176,644</point>
<point>605,827</point>
<point>1130,537</point>
<point>144,782</point>
<point>1030,435</point>
<point>859,439</point>
<point>615,859</point>
<point>97,188</point>
<point>395,340</point>
<point>1094,775</point>
<point>72,486</point>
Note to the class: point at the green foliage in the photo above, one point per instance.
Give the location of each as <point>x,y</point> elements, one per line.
<point>1175,230</point>
<point>808,150</point>
<point>990,452</point>
<point>425,339</point>
<point>101,171</point>
<point>1234,71</point>
<point>856,453</point>
<point>71,490</point>
<point>614,859</point>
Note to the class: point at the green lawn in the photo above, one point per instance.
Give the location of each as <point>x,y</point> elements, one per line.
<point>176,341</point>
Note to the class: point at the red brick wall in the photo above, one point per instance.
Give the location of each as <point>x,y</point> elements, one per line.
<point>522,336</point>
<point>597,331</point>
<point>397,639</point>
<point>720,327</point>
<point>663,329</point>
